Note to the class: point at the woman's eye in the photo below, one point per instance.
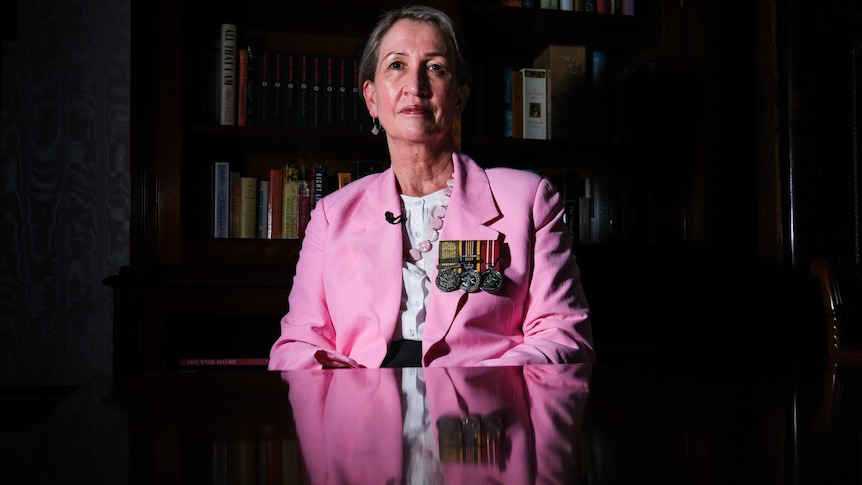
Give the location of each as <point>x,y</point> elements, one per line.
<point>396,65</point>
<point>436,67</point>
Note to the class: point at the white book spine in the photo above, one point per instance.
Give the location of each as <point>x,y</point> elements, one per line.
<point>535,104</point>
<point>229,75</point>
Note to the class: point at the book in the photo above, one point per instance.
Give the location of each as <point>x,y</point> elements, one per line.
<point>344,178</point>
<point>252,84</point>
<point>506,101</point>
<point>247,207</point>
<point>549,4</point>
<point>228,74</point>
<point>535,106</point>
<point>571,188</point>
<point>529,104</point>
<point>602,224</point>
<point>567,5</point>
<point>274,206</point>
<point>242,88</point>
<point>342,94</point>
<point>221,199</point>
<point>585,210</point>
<point>303,205</point>
<point>316,106</point>
<point>360,118</point>
<point>517,104</point>
<point>599,98</point>
<point>235,192</point>
<point>263,209</point>
<point>290,87</point>
<point>329,98</point>
<point>361,169</point>
<point>303,91</point>
<point>320,183</point>
<point>264,104</point>
<point>277,89</point>
<point>603,6</point>
<point>569,110</point>
<point>290,195</point>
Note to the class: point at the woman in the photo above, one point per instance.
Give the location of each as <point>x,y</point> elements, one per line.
<point>368,291</point>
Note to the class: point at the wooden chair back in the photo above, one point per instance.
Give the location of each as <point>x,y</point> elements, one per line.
<point>841,292</point>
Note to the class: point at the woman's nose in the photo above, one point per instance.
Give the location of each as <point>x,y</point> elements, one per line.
<point>417,84</point>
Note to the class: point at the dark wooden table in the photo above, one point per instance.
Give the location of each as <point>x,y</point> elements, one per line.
<point>669,423</point>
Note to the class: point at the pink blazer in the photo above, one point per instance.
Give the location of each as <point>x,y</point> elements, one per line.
<point>346,293</point>
<point>349,422</point>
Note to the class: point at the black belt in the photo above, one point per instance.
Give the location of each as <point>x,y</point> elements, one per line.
<point>403,353</point>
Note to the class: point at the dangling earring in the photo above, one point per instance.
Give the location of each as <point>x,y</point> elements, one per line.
<point>375,127</point>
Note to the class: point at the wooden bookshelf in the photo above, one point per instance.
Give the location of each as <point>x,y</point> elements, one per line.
<point>178,274</point>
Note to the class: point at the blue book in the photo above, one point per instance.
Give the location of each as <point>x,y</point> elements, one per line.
<point>221,200</point>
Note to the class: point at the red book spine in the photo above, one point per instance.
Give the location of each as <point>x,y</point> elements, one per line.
<point>275,204</point>
<point>242,89</point>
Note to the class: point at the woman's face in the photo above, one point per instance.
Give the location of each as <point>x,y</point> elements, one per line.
<point>414,93</point>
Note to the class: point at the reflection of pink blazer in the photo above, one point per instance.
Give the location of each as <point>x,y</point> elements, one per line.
<point>346,294</point>
<point>349,422</point>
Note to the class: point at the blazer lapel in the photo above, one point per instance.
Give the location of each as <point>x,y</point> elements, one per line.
<point>382,252</point>
<point>471,211</point>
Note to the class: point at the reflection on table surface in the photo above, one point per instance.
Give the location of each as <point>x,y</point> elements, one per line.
<point>694,422</point>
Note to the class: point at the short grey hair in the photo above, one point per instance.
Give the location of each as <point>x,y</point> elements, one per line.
<point>420,13</point>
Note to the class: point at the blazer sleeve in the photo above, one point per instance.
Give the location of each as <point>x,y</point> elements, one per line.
<point>556,323</point>
<point>307,326</point>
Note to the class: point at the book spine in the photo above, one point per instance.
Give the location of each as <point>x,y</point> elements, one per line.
<point>330,104</point>
<point>303,206</point>
<point>535,104</point>
<point>599,101</point>
<point>264,105</point>
<point>252,85</point>
<point>603,6</point>
<point>290,197</point>
<point>318,72</point>
<point>303,92</point>
<point>277,95</point>
<point>321,181</point>
<point>235,197</point>
<point>263,209</point>
<point>228,73</point>
<point>568,103</point>
<point>360,118</point>
<point>248,208</point>
<point>276,202</point>
<point>517,102</point>
<point>506,104</point>
<point>342,99</point>
<point>221,199</point>
<point>242,89</point>
<point>290,88</point>
<point>344,178</point>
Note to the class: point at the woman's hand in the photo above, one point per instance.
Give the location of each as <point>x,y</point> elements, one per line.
<point>334,360</point>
